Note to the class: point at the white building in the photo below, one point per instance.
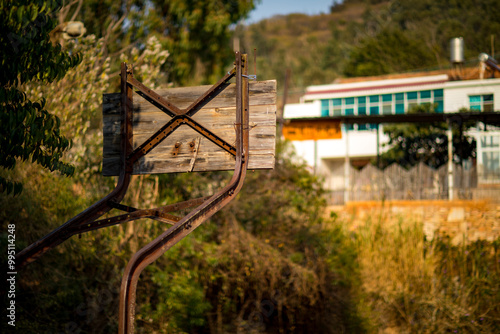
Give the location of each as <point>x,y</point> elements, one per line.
<point>386,95</point>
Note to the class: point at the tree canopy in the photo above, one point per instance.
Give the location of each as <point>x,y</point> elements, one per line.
<point>196,33</point>
<point>27,130</point>
<point>412,143</point>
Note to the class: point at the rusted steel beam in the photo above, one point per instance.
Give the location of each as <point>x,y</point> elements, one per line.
<point>169,128</point>
<point>180,117</point>
<point>191,110</point>
<point>167,107</point>
<point>167,208</point>
<point>147,213</point>
<point>186,225</point>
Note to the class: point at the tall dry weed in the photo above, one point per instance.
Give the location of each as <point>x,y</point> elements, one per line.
<point>413,285</point>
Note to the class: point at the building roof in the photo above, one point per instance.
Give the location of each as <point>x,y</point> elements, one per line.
<point>466,73</point>
<point>390,82</point>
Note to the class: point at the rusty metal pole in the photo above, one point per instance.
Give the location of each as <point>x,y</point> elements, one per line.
<point>195,218</point>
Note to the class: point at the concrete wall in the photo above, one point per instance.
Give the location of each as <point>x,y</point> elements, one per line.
<point>460,220</point>
<point>456,93</point>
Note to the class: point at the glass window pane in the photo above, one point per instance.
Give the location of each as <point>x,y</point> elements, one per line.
<point>361,127</point>
<point>475,107</point>
<point>374,111</point>
<point>362,111</point>
<point>387,98</point>
<point>488,107</point>
<point>349,111</point>
<point>337,102</point>
<point>475,98</point>
<point>400,96</point>
<point>325,107</point>
<point>400,108</point>
<point>438,93</point>
<point>373,126</point>
<point>490,141</point>
<point>374,98</point>
<point>349,100</point>
<point>362,100</point>
<point>488,97</point>
<point>439,106</point>
<point>387,109</point>
<point>491,161</point>
<point>425,94</point>
<point>337,111</point>
<point>411,95</point>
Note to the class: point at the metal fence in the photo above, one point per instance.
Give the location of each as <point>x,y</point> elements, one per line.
<point>420,182</point>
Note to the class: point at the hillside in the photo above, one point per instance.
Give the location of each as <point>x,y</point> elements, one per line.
<point>366,38</point>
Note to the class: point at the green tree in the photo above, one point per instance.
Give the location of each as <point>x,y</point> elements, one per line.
<point>413,143</point>
<point>391,50</point>
<point>50,199</point>
<point>27,130</point>
<point>197,33</point>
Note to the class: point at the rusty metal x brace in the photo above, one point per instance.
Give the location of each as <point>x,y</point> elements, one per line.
<point>205,207</point>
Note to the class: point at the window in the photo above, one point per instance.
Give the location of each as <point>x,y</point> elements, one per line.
<point>488,102</point>
<point>491,162</point>
<point>349,101</point>
<point>490,141</point>
<point>488,152</point>
<point>337,107</point>
<point>349,107</point>
<point>412,98</point>
<point>400,103</point>
<point>475,102</point>
<point>387,104</point>
<point>325,108</point>
<point>481,102</point>
<point>425,95</point>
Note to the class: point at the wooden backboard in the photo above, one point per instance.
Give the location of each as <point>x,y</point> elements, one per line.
<point>178,153</point>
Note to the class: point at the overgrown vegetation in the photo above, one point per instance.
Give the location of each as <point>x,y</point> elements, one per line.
<point>265,264</point>
<point>413,285</point>
<point>28,131</point>
<point>271,262</point>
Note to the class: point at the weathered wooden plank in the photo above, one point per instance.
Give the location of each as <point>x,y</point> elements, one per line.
<point>218,116</point>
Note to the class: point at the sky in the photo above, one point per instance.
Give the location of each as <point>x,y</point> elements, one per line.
<point>268,8</point>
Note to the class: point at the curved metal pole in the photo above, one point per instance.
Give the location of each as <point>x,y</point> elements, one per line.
<point>65,231</point>
<point>186,225</point>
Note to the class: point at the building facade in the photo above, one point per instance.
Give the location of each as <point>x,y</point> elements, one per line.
<point>392,95</point>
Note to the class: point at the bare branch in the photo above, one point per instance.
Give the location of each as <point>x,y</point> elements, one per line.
<point>77,10</point>
<point>63,12</point>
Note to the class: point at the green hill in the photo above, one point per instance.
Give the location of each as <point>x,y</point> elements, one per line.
<point>362,38</point>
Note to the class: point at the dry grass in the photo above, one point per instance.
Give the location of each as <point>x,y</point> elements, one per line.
<point>418,286</point>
